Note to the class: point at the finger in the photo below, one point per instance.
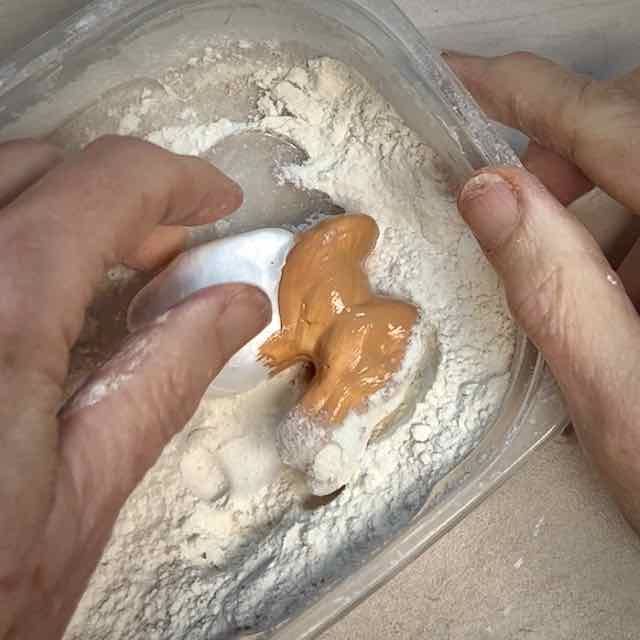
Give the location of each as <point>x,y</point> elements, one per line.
<point>115,428</point>
<point>561,177</point>
<point>592,124</point>
<point>162,246</point>
<point>23,162</point>
<point>570,302</point>
<point>552,268</point>
<point>88,213</point>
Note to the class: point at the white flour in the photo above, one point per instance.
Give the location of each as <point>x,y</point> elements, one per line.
<point>180,567</point>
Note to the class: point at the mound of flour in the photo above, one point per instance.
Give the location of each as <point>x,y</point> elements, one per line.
<point>182,567</point>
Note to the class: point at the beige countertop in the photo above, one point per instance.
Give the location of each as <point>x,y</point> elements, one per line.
<point>547,557</point>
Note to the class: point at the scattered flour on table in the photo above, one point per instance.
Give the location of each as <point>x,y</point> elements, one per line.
<point>179,566</point>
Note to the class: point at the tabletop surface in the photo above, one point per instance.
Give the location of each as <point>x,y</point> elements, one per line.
<point>548,557</point>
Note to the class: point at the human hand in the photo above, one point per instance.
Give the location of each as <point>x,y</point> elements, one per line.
<point>560,287</point>
<point>65,473</point>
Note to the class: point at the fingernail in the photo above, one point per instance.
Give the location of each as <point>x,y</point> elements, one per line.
<point>246,314</point>
<point>232,200</point>
<point>490,207</point>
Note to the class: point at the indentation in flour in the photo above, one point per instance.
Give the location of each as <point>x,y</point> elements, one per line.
<point>246,553</point>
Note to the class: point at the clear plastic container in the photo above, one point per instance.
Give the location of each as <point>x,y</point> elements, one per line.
<point>48,81</point>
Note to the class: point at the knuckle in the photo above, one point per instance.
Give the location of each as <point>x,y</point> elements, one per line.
<point>595,93</point>
<point>589,92</point>
<point>574,112</point>
<point>544,309</point>
<point>597,105</point>
<point>511,69</point>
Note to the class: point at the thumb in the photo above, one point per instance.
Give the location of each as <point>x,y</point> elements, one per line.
<point>560,288</point>
<point>115,428</point>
